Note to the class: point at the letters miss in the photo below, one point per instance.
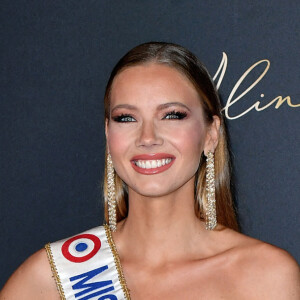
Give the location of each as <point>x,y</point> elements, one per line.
<point>90,290</point>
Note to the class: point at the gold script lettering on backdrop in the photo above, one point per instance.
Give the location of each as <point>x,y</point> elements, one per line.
<point>279,100</point>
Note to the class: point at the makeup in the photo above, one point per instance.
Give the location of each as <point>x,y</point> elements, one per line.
<point>150,164</point>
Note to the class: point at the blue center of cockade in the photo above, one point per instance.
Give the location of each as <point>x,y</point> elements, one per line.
<point>80,247</point>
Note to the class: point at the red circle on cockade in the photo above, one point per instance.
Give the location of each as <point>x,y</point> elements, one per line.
<point>66,253</point>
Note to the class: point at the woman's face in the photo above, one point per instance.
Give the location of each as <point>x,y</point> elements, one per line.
<point>156,132</point>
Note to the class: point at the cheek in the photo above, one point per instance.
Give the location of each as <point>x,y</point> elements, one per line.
<point>115,137</point>
<point>116,146</point>
<point>190,140</point>
<point>118,143</point>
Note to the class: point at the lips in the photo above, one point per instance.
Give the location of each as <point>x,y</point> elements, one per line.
<point>149,164</point>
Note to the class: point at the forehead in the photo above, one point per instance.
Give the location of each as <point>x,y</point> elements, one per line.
<point>155,81</point>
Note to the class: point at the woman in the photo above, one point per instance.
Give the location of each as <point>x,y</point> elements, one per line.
<point>168,202</point>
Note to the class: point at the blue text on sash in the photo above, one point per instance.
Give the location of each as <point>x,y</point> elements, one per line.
<point>93,289</point>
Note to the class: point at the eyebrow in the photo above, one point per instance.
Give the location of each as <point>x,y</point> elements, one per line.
<point>128,106</point>
<point>160,107</point>
<point>169,104</point>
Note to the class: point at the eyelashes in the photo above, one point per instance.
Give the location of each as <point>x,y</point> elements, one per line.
<point>172,115</point>
<point>123,118</point>
<point>177,115</point>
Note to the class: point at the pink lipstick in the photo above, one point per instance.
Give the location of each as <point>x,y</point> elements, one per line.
<point>149,164</point>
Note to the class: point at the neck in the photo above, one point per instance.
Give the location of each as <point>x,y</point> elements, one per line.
<point>154,225</point>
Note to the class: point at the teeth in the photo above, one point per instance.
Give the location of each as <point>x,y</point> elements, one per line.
<point>152,164</point>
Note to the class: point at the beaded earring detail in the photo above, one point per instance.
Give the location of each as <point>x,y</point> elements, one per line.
<point>111,195</point>
<point>211,214</point>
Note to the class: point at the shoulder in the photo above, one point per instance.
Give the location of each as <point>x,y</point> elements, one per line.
<point>32,280</point>
<point>273,271</point>
<point>263,270</point>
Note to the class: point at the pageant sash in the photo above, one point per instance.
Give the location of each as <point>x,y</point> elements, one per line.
<point>86,266</point>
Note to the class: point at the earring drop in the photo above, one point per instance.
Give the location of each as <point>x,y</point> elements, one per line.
<point>211,214</point>
<point>111,195</point>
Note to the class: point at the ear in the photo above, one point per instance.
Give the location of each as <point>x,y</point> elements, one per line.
<point>212,135</point>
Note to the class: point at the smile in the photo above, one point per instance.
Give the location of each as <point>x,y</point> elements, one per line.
<point>152,164</point>
<point>149,164</point>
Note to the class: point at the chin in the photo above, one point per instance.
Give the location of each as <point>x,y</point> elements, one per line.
<point>152,190</point>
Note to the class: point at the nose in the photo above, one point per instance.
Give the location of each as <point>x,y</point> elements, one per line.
<point>149,135</point>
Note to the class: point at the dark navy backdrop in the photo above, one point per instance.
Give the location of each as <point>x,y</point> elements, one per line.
<point>55,60</point>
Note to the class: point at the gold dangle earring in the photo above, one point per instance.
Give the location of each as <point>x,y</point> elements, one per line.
<point>111,195</point>
<point>211,214</point>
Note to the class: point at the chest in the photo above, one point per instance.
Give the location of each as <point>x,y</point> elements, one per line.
<point>182,282</point>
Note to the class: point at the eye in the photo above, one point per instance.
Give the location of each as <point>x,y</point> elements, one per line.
<point>175,115</point>
<point>123,118</point>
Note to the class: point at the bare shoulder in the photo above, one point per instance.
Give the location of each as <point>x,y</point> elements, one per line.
<point>32,280</point>
<point>264,271</point>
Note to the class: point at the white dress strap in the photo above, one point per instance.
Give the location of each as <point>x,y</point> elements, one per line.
<point>87,266</point>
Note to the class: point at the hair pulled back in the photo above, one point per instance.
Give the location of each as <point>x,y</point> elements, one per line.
<point>186,63</point>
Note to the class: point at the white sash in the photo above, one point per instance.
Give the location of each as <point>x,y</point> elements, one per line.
<point>87,266</point>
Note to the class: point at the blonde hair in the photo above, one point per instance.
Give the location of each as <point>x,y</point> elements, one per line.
<point>188,64</point>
